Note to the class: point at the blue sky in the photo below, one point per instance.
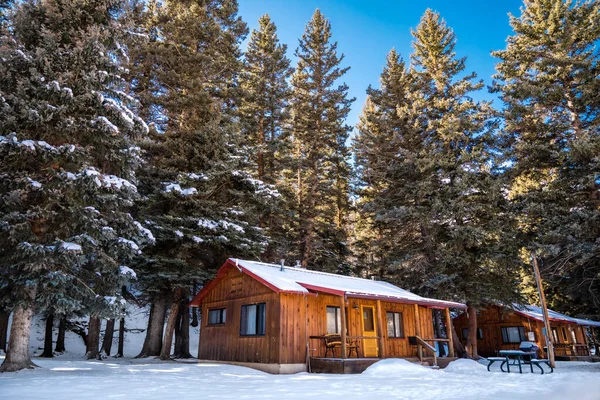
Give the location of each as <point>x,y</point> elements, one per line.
<point>366,30</point>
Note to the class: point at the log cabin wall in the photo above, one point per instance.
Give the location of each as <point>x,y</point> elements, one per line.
<point>491,321</point>
<point>224,342</point>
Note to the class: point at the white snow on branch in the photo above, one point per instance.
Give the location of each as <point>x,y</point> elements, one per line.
<point>35,184</point>
<point>208,224</point>
<point>197,239</point>
<point>104,122</point>
<point>259,186</point>
<point>125,270</point>
<point>69,246</point>
<point>130,243</point>
<point>231,225</point>
<point>174,187</point>
<point>178,233</point>
<point>101,180</point>
<point>145,231</point>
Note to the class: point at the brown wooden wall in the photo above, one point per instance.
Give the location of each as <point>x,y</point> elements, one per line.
<point>223,342</point>
<point>493,318</point>
<point>290,320</point>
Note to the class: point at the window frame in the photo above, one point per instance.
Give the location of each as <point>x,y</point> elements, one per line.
<point>396,329</point>
<point>521,330</point>
<point>222,316</point>
<point>260,323</point>
<point>466,330</point>
<point>337,319</point>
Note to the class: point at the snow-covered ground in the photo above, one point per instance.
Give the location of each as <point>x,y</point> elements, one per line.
<point>68,377</point>
<point>388,379</point>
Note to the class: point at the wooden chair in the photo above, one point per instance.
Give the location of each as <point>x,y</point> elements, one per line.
<point>334,340</point>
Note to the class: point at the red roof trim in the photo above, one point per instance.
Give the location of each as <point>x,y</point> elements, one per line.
<point>432,304</point>
<point>322,289</point>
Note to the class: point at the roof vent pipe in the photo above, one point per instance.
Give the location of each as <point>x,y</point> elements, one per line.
<point>282,261</point>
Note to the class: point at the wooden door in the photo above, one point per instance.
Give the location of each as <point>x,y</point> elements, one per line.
<point>370,348</point>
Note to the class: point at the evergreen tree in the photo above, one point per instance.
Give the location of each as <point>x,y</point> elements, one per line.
<point>322,169</point>
<point>199,202</point>
<point>265,124</point>
<point>65,145</point>
<point>548,79</point>
<point>438,202</point>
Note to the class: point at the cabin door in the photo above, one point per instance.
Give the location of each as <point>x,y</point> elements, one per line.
<point>370,348</point>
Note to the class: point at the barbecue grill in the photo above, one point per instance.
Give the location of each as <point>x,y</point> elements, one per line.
<point>531,349</point>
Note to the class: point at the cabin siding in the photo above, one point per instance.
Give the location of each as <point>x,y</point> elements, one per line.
<point>492,319</point>
<point>224,342</point>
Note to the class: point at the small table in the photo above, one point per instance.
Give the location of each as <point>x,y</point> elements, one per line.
<point>518,360</point>
<point>518,354</point>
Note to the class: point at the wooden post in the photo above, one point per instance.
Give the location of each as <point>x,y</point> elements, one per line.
<point>418,332</point>
<point>449,333</point>
<point>343,318</point>
<point>380,330</point>
<point>538,281</point>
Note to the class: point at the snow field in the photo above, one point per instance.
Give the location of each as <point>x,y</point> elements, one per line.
<point>389,379</point>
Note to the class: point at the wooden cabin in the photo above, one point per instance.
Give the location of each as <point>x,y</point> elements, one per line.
<point>504,328</point>
<point>276,318</point>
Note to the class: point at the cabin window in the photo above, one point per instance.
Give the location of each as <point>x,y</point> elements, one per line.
<point>395,325</point>
<point>252,320</point>
<point>555,335</point>
<point>465,333</point>
<point>217,316</point>
<point>334,319</point>
<point>564,331</point>
<point>513,334</point>
<point>574,336</point>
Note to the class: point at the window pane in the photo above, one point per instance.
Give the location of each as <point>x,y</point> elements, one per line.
<point>260,326</point>
<point>368,323</point>
<point>333,319</point>
<point>390,324</point>
<point>399,325</point>
<point>465,333</point>
<point>224,315</point>
<point>251,320</point>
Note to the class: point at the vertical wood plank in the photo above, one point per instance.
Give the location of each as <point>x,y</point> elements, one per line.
<point>418,331</point>
<point>343,318</point>
<point>380,331</point>
<point>449,333</point>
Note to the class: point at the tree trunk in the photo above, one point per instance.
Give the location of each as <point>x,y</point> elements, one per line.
<point>3,329</point>
<point>108,336</point>
<point>459,350</point>
<point>156,322</point>
<point>48,337</point>
<point>439,332</point>
<point>194,317</point>
<point>121,337</point>
<point>17,355</point>
<point>60,339</point>
<point>472,339</point>
<point>165,353</point>
<point>93,339</point>
<point>182,331</point>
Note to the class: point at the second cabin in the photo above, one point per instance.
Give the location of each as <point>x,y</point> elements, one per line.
<point>285,320</point>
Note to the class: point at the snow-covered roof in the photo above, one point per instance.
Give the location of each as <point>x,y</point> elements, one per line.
<point>301,281</point>
<point>535,312</point>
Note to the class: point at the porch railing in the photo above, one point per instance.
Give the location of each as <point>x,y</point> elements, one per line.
<point>422,343</point>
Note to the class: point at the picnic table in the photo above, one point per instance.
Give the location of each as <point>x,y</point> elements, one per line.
<point>518,358</point>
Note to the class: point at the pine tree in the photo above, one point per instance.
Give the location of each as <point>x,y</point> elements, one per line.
<point>380,130</point>
<point>65,145</point>
<point>199,202</point>
<point>322,169</point>
<point>438,204</point>
<point>265,125</point>
<point>548,79</point>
